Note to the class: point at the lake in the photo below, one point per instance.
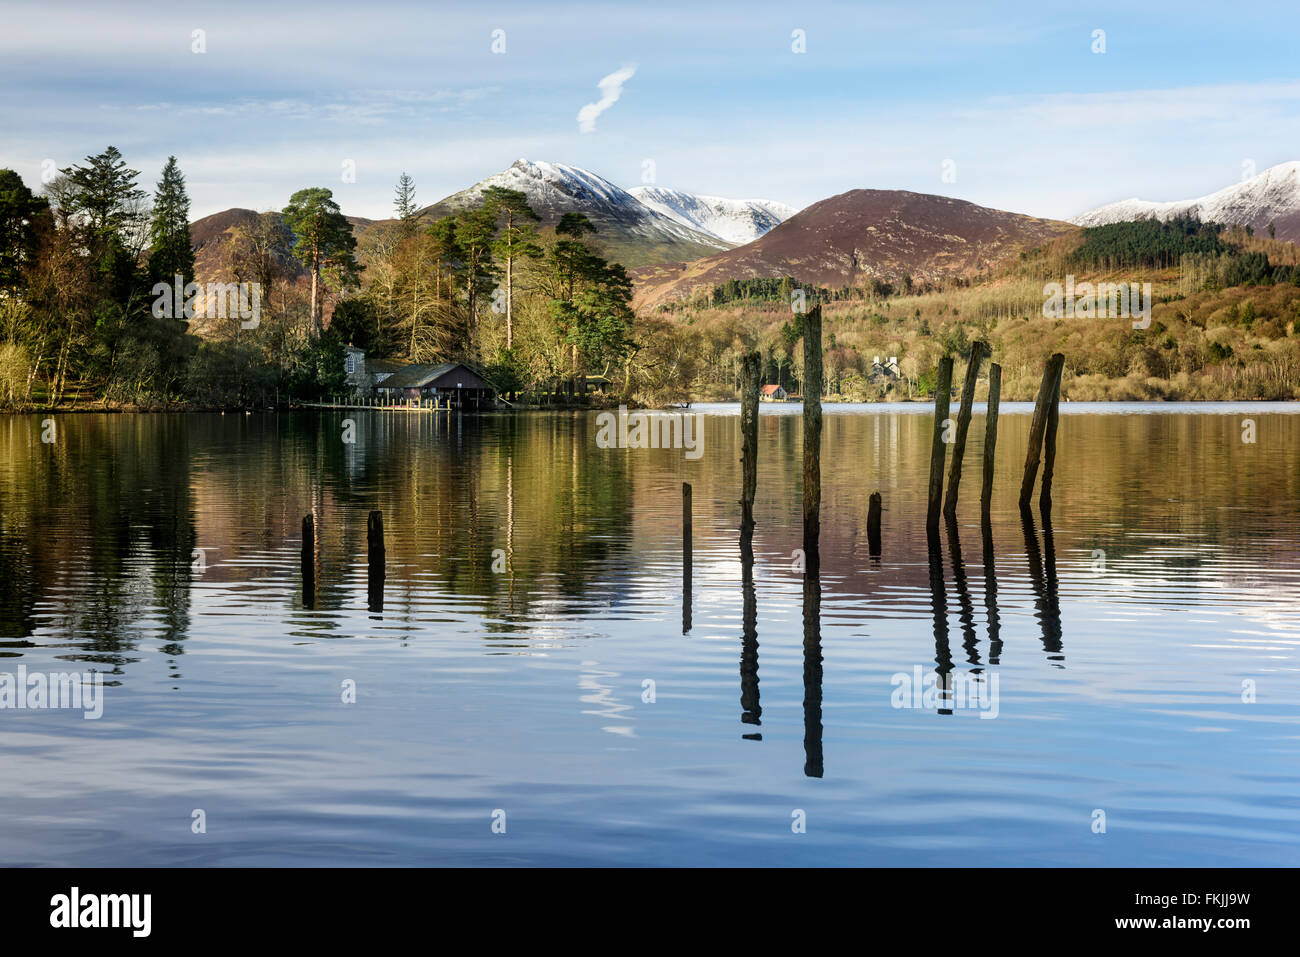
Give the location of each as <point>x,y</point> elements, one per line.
<point>1122,684</point>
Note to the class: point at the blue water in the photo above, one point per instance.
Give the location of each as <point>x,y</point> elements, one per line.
<point>561,690</point>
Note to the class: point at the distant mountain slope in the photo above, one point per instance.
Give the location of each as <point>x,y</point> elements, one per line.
<point>629,231</point>
<point>735,221</point>
<point>1271,197</point>
<point>856,236</point>
<point>205,232</point>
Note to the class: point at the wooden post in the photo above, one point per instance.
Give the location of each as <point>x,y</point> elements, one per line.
<point>376,557</point>
<point>752,365</point>
<point>687,531</point>
<point>1049,445</point>
<point>977,351</point>
<point>873,525</point>
<point>812,434</point>
<point>308,561</point>
<point>938,448</point>
<point>1051,380</point>
<point>687,522</point>
<point>990,438</point>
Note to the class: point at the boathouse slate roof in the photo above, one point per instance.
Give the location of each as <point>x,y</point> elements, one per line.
<point>420,375</point>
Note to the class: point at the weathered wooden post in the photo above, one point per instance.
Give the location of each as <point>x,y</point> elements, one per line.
<point>308,561</point>
<point>873,525</point>
<point>1051,381</point>
<point>1049,445</point>
<point>752,366</point>
<point>687,530</point>
<point>990,438</point>
<point>977,351</point>
<point>375,555</point>
<point>938,448</point>
<point>812,434</point>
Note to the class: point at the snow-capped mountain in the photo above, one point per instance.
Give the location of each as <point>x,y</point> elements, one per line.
<point>736,221</point>
<point>1271,197</point>
<point>630,231</point>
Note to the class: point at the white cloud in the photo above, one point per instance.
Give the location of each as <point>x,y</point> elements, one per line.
<point>611,88</point>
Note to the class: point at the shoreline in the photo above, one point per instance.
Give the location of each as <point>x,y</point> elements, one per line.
<point>517,409</point>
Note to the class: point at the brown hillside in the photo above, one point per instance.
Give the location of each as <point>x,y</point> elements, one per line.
<point>858,236</point>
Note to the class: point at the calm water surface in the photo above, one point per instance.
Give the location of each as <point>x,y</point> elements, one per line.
<point>1145,646</point>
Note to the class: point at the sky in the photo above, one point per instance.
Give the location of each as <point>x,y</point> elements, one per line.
<point>1010,105</point>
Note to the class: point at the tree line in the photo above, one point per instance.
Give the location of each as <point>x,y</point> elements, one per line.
<point>83,261</point>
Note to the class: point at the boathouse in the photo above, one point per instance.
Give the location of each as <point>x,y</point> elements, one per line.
<point>452,382</point>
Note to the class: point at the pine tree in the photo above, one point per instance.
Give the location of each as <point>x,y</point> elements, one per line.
<point>404,204</point>
<point>171,252</point>
<point>104,190</point>
<point>323,237</point>
<point>516,240</point>
<point>22,218</point>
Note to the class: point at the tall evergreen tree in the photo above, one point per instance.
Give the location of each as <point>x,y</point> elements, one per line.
<point>591,299</point>
<point>516,240</point>
<point>104,191</point>
<point>323,237</point>
<point>22,217</point>
<point>474,230</point>
<point>171,252</point>
<point>404,204</point>
<point>110,220</point>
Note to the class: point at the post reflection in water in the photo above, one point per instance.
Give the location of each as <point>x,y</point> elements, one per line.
<point>209,662</point>
<point>939,612</point>
<point>1047,607</point>
<point>991,614</point>
<point>812,667</point>
<point>751,710</point>
<point>965,606</point>
<point>687,557</point>
<point>686,597</point>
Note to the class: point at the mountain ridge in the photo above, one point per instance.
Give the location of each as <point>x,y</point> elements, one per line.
<point>629,231</point>
<point>737,221</point>
<point>1270,197</point>
<point>857,236</point>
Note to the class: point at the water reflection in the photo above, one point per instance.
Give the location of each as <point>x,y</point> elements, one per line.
<point>939,614</point>
<point>751,709</point>
<point>966,607</point>
<point>522,562</point>
<point>991,614</point>
<point>812,667</point>
<point>1047,608</point>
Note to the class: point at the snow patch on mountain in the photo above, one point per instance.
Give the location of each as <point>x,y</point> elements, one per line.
<point>1258,201</point>
<point>554,187</point>
<point>736,221</point>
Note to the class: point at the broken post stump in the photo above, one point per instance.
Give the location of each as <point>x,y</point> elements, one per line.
<point>977,352</point>
<point>752,373</point>
<point>308,561</point>
<point>873,525</point>
<point>812,433</point>
<point>1049,445</point>
<point>990,437</point>
<point>1051,381</point>
<point>375,560</point>
<point>938,449</point>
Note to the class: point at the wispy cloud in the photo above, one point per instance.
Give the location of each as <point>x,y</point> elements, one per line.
<point>611,88</point>
<point>365,107</point>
